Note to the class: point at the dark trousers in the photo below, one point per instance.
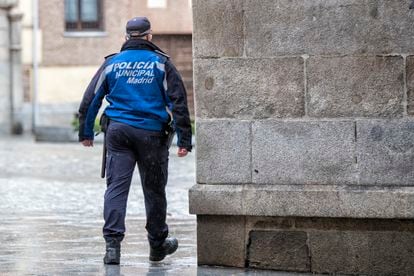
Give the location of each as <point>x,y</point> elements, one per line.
<point>128,146</point>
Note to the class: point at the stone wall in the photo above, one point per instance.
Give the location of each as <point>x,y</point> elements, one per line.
<point>304,114</point>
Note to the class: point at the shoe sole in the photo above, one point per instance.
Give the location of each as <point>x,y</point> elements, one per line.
<point>111,262</point>
<point>159,259</point>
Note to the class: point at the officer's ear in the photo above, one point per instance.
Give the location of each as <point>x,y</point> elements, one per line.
<point>127,37</point>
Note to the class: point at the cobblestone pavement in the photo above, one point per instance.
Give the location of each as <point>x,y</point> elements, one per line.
<point>51,215</point>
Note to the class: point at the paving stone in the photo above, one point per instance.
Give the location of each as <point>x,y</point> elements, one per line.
<point>355,87</point>
<point>303,152</point>
<point>249,88</point>
<point>279,250</point>
<point>328,27</point>
<point>386,152</point>
<point>223,151</point>
<point>218,28</point>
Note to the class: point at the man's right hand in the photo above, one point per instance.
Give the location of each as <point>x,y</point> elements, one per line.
<point>87,143</point>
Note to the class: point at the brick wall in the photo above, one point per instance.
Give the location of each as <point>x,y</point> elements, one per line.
<point>171,32</point>
<point>65,50</point>
<point>58,49</point>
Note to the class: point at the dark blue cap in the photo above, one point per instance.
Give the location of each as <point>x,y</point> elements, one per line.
<point>138,26</point>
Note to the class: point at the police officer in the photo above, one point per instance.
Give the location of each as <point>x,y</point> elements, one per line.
<point>145,93</point>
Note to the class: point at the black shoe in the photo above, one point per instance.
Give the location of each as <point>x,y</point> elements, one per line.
<point>168,247</point>
<point>113,252</point>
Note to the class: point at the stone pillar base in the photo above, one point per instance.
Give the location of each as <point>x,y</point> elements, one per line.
<point>316,245</point>
<point>305,228</point>
<point>221,240</point>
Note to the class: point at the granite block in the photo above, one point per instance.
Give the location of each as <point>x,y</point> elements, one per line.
<point>279,250</point>
<point>249,88</point>
<point>218,28</point>
<point>362,252</point>
<point>328,27</point>
<point>355,87</point>
<point>303,152</point>
<point>223,152</point>
<point>386,152</point>
<point>325,201</point>
<point>221,240</point>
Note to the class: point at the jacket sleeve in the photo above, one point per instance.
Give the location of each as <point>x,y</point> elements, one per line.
<point>91,102</point>
<point>177,95</point>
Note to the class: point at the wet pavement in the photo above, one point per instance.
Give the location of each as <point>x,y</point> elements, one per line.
<point>51,215</point>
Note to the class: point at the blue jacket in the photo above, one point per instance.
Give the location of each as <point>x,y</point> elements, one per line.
<point>138,83</point>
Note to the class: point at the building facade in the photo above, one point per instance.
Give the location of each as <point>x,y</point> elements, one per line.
<point>75,36</point>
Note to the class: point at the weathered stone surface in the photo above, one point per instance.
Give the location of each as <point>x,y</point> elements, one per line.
<point>332,201</point>
<point>355,86</point>
<point>386,152</point>
<point>223,152</point>
<point>331,184</point>
<point>362,252</point>
<point>410,85</point>
<point>209,199</point>
<point>327,27</point>
<point>303,201</point>
<point>249,88</point>
<point>350,224</point>
<point>266,223</point>
<point>221,240</point>
<point>303,152</point>
<point>218,28</point>
<point>280,250</point>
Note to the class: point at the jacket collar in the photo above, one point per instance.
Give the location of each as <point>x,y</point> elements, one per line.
<point>140,44</point>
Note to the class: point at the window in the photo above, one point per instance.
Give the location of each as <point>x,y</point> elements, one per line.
<point>83,15</point>
<point>157,3</point>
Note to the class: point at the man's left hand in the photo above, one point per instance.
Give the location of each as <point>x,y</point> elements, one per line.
<point>182,152</point>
